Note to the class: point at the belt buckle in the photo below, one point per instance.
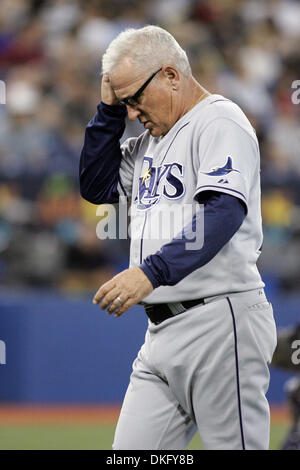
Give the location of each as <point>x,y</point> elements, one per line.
<point>176,308</point>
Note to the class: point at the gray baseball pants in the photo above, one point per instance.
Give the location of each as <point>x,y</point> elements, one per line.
<point>207,370</point>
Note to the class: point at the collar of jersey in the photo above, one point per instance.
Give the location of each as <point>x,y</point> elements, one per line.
<point>186,117</point>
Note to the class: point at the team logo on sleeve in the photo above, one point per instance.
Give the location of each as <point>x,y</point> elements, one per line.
<point>221,171</point>
<point>157,182</point>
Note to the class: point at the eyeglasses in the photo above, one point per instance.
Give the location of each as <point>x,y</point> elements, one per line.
<point>133,100</point>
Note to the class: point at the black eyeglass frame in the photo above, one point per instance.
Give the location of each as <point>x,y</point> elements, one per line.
<point>133,100</point>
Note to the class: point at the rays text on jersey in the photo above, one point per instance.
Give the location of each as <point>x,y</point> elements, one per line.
<point>156,182</point>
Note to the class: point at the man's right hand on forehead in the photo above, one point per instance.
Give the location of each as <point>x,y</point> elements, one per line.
<point>107,93</point>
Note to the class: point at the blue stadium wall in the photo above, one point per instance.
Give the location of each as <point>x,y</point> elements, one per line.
<point>65,350</point>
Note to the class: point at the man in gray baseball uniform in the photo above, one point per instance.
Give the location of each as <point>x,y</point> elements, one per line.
<point>211,331</point>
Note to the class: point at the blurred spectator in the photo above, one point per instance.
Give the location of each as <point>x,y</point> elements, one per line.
<point>50,54</point>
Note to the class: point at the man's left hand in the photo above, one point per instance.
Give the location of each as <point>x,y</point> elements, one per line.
<point>123,291</point>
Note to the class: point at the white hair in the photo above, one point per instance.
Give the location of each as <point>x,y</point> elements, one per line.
<point>148,47</point>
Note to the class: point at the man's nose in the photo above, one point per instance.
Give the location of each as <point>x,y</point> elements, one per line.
<point>133,113</point>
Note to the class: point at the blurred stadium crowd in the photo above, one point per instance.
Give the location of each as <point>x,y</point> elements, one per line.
<point>50,53</point>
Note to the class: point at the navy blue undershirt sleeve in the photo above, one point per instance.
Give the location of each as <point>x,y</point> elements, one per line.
<point>101,155</point>
<point>223,216</point>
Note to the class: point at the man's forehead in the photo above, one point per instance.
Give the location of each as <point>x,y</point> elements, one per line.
<point>126,75</point>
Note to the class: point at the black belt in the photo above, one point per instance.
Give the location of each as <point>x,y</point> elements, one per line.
<point>158,313</point>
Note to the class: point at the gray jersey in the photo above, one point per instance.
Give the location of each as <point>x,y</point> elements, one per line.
<point>212,147</point>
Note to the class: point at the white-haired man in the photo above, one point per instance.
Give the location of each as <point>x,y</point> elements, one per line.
<point>211,332</point>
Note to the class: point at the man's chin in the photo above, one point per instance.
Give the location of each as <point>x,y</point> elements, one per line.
<point>155,131</point>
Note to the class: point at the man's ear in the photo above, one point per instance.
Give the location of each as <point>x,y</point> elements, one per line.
<point>172,75</point>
